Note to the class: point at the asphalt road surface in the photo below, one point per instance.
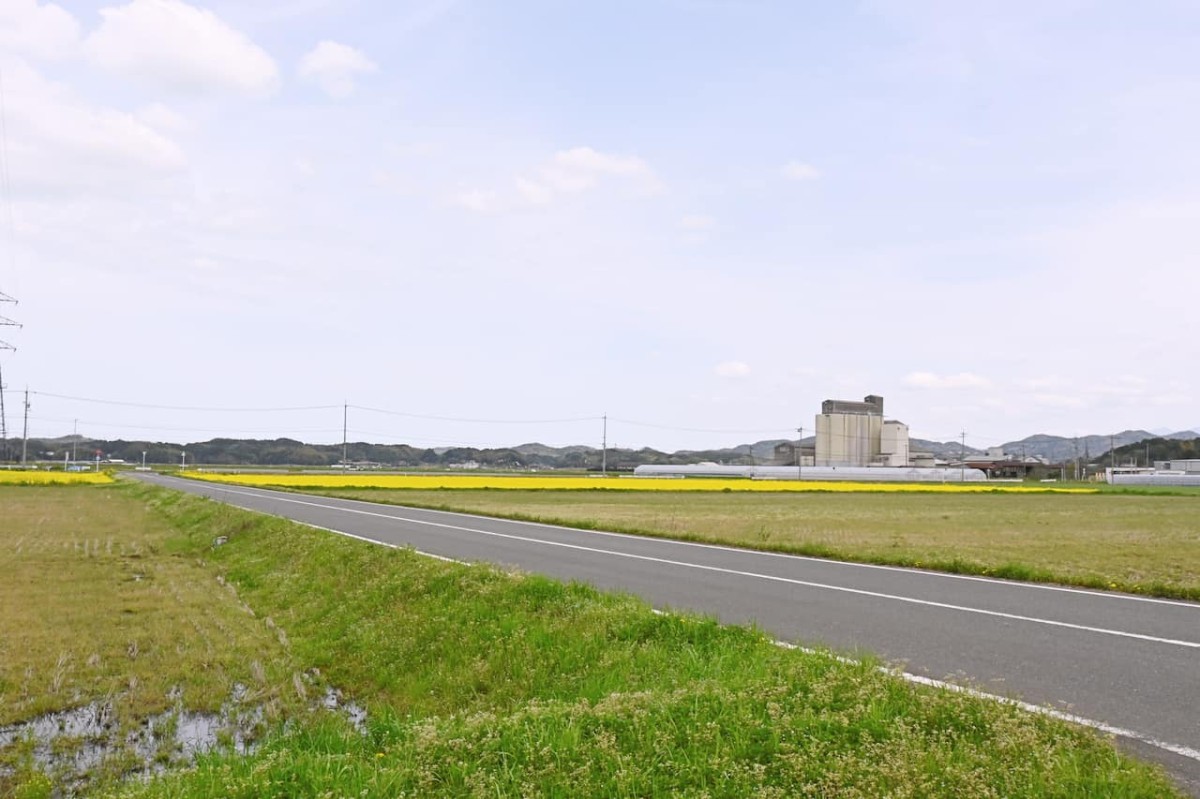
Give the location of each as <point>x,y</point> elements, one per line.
<point>1128,664</point>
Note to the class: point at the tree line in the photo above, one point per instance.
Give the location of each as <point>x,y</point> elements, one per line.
<point>289,452</point>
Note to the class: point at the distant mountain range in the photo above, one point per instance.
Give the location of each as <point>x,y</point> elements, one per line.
<point>1055,449</point>
<point>1061,448</point>
<point>284,451</point>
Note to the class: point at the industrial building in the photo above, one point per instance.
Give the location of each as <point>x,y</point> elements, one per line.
<point>856,434</point>
<point>1183,472</point>
<point>820,473</point>
<point>853,442</point>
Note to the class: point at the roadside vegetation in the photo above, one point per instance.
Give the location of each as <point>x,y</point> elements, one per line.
<point>1145,542</point>
<point>24,477</point>
<point>476,682</point>
<point>616,484</point>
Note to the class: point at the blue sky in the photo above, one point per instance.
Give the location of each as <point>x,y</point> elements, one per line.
<point>698,216</point>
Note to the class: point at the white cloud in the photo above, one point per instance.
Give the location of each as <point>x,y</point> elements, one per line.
<point>567,172</point>
<point>582,165</point>
<point>477,200</point>
<point>696,222</point>
<point>582,168</point>
<point>160,117</point>
<point>732,369</point>
<point>333,66</point>
<point>58,140</point>
<point>797,170</point>
<point>176,46</point>
<point>1042,383</point>
<point>936,381</point>
<point>533,192</point>
<point>40,31</point>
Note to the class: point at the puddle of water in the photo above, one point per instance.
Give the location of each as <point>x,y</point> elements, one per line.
<point>355,714</point>
<point>88,721</point>
<point>72,743</point>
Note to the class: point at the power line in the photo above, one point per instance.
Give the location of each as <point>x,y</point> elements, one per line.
<point>406,414</point>
<point>193,408</point>
<point>437,442</point>
<point>656,426</point>
<point>6,189</point>
<point>219,431</point>
<point>781,431</point>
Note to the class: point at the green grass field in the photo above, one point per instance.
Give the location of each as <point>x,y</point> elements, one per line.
<point>477,682</point>
<point>1139,542</point>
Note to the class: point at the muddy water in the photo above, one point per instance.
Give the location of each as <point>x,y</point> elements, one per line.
<point>71,745</point>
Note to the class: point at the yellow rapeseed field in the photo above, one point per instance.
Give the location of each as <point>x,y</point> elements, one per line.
<point>24,478</point>
<point>527,483</point>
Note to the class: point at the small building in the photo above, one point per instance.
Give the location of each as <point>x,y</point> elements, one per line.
<point>921,459</point>
<point>791,453</point>
<point>1001,466</point>
<point>1186,466</point>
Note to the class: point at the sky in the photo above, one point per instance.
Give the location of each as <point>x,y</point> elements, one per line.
<point>485,223</point>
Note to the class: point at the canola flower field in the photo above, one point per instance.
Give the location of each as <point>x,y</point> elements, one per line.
<point>29,478</point>
<point>543,483</point>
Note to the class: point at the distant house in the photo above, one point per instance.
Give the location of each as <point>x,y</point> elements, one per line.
<point>1190,466</point>
<point>787,452</point>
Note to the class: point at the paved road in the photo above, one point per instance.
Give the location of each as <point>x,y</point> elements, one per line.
<point>1131,663</point>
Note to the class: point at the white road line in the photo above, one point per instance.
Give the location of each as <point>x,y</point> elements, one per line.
<point>753,575</point>
<point>765,553</point>
<point>375,541</point>
<point>1121,732</point>
<point>917,679</point>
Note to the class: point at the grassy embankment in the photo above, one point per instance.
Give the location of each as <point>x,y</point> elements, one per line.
<point>1137,542</point>
<point>478,682</point>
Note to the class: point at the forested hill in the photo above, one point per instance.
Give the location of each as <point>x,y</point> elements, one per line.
<point>1158,449</point>
<point>286,451</point>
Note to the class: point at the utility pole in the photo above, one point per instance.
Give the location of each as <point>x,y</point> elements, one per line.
<point>1112,452</point>
<point>1148,464</point>
<point>1075,442</point>
<point>25,431</point>
<point>182,460</point>
<point>963,457</point>
<point>800,454</point>
<point>604,447</point>
<point>74,439</point>
<point>345,419</point>
<point>3,421</point>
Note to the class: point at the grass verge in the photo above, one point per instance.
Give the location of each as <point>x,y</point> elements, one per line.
<point>1135,542</point>
<point>485,683</point>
